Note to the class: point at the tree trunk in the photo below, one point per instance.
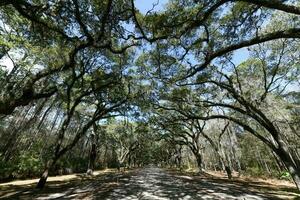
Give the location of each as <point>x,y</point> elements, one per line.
<point>227,168</point>
<point>199,161</point>
<point>134,162</point>
<point>279,163</point>
<point>44,177</point>
<point>105,157</point>
<point>119,165</point>
<point>296,156</point>
<point>288,161</point>
<point>92,157</point>
<point>295,173</point>
<point>129,161</point>
<point>228,171</point>
<point>224,163</point>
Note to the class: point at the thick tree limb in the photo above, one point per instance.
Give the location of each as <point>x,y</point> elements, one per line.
<point>290,33</point>
<point>275,4</point>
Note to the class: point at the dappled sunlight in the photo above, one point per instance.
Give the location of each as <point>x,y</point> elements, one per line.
<point>148,183</point>
<point>153,183</point>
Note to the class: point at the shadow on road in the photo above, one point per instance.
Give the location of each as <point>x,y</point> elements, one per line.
<point>148,183</point>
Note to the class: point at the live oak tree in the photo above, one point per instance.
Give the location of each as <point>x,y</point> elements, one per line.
<point>181,132</point>
<point>48,36</point>
<point>195,33</point>
<point>181,59</point>
<point>125,140</point>
<point>191,132</point>
<point>99,93</point>
<point>253,98</point>
<point>52,41</point>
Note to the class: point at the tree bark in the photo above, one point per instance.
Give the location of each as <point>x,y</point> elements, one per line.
<point>43,179</point>
<point>92,157</point>
<point>199,161</point>
<point>225,164</point>
<point>228,171</point>
<point>288,161</point>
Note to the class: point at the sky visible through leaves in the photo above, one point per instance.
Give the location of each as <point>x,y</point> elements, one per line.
<point>158,5</point>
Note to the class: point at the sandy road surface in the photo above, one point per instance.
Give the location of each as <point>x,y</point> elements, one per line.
<point>148,184</point>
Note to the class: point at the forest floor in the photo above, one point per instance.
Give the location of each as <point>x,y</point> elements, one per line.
<point>148,183</point>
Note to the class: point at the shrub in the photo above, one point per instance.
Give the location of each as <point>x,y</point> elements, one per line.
<point>30,165</point>
<point>285,176</point>
<point>6,170</point>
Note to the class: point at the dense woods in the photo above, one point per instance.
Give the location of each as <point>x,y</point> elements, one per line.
<point>211,85</point>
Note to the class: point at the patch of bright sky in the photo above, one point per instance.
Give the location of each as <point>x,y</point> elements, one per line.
<point>145,5</point>
<point>5,62</point>
<point>239,56</point>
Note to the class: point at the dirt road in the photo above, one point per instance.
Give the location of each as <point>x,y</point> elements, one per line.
<point>151,184</point>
